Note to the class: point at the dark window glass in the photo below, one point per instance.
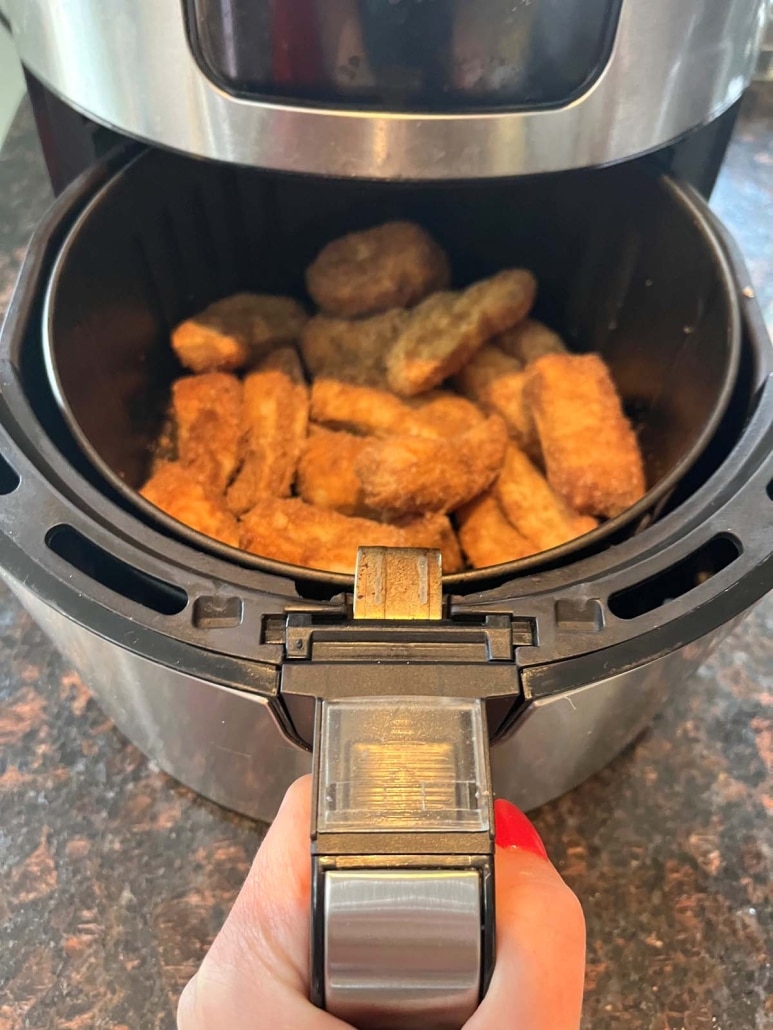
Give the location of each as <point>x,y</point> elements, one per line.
<point>431,55</point>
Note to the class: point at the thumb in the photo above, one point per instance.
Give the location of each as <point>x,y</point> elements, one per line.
<point>540,964</point>
<point>255,975</point>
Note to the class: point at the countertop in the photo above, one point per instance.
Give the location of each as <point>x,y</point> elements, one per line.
<point>115,878</point>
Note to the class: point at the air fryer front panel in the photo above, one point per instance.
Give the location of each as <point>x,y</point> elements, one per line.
<point>433,55</point>
<point>643,73</point>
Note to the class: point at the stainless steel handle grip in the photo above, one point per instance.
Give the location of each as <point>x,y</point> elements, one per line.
<point>402,947</point>
<point>402,834</point>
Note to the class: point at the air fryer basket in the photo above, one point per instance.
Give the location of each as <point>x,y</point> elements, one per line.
<point>190,650</point>
<point>627,265</point>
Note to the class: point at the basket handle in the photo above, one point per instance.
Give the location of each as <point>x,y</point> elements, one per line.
<point>402,833</point>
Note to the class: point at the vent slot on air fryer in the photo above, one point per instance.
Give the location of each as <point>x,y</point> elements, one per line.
<point>9,480</point>
<point>676,581</point>
<point>116,575</point>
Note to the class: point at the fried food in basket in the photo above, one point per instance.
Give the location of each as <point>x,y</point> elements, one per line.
<point>446,329</point>
<point>276,415</point>
<point>496,382</point>
<point>532,507</point>
<point>529,340</point>
<point>302,534</point>
<point>592,457</point>
<point>370,411</point>
<point>411,474</point>
<point>486,535</point>
<point>172,489</point>
<point>207,411</point>
<point>237,331</point>
<point>351,351</point>
<point>521,453</point>
<point>326,475</point>
<point>393,265</point>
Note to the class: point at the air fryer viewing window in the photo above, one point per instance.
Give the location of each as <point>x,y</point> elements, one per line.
<point>432,55</point>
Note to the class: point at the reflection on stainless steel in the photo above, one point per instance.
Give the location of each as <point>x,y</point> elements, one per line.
<point>223,743</point>
<point>403,948</point>
<point>673,66</point>
<point>228,746</point>
<point>764,70</point>
<point>563,739</point>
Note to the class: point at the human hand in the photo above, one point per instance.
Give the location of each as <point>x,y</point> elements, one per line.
<point>255,976</point>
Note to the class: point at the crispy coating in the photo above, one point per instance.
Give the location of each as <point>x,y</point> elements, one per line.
<point>236,331</point>
<point>442,414</point>
<point>446,329</point>
<point>299,533</point>
<point>210,433</point>
<point>276,415</point>
<point>408,474</point>
<point>486,536</point>
<point>393,265</point>
<point>592,457</point>
<point>529,340</point>
<point>351,351</point>
<point>172,489</point>
<point>532,507</point>
<point>326,475</point>
<point>374,412</point>
<point>496,381</point>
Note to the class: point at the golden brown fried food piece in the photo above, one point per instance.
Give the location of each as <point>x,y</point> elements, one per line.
<point>529,340</point>
<point>276,415</point>
<point>299,533</point>
<point>446,329</point>
<point>326,475</point>
<point>532,507</point>
<point>367,410</point>
<point>393,265</point>
<point>486,536</point>
<point>236,331</point>
<point>496,382</point>
<point>409,474</point>
<point>591,454</point>
<point>442,414</point>
<point>210,433</point>
<point>351,351</point>
<point>172,489</point>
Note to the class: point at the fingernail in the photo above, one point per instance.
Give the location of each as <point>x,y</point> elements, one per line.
<point>514,830</point>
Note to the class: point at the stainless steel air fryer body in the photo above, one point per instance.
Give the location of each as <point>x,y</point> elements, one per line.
<point>405,90</point>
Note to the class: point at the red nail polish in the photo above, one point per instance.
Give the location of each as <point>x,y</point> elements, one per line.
<point>514,830</point>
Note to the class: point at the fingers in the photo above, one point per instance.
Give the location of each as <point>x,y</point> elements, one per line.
<point>255,975</point>
<point>540,966</point>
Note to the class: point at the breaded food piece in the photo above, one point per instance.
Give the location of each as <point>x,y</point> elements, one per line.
<point>302,534</point>
<point>529,340</point>
<point>172,489</point>
<point>276,416</point>
<point>442,414</point>
<point>351,351</point>
<point>362,409</point>
<point>591,453</point>
<point>394,265</point>
<point>496,382</point>
<point>446,329</point>
<point>326,475</point>
<point>486,536</point>
<point>532,506</point>
<point>409,474</point>
<point>210,433</point>
<point>236,331</point>
<point>374,412</point>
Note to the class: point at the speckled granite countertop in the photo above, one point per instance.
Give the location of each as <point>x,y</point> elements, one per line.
<point>114,879</point>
